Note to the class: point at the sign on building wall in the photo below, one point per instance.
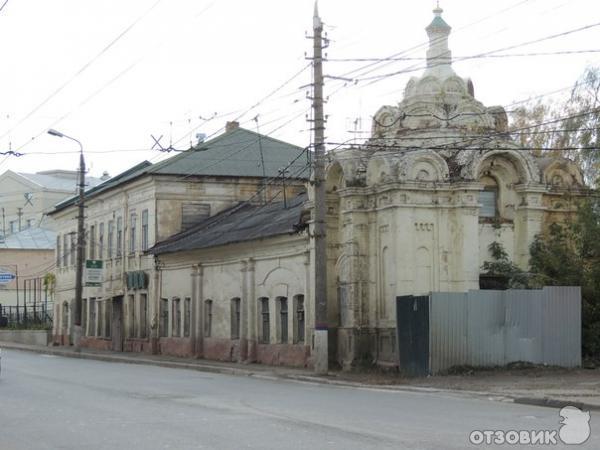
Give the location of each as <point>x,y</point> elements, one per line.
<point>94,273</point>
<point>6,277</point>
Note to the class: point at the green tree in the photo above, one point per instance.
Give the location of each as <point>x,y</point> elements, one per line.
<point>569,128</point>
<point>569,255</point>
<point>503,269</point>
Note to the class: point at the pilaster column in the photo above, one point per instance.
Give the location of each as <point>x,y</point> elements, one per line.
<point>194,307</point>
<point>251,312</point>
<point>199,317</point>
<point>244,300</point>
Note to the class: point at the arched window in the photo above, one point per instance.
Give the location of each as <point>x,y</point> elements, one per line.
<point>176,317</point>
<point>488,198</point>
<point>235,318</point>
<point>282,306</point>
<point>299,323</point>
<point>208,311</point>
<point>264,320</point>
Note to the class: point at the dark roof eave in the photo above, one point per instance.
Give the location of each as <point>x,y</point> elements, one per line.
<point>234,242</point>
<point>102,188</point>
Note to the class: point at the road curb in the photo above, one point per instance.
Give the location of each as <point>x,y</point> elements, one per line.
<point>125,360</point>
<point>555,403</point>
<point>318,380</point>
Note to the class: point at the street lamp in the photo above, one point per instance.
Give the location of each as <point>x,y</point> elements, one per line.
<point>77,332</point>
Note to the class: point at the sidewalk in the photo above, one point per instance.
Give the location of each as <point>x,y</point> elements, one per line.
<point>553,387</point>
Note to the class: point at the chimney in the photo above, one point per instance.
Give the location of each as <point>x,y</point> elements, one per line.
<point>105,176</point>
<point>230,126</point>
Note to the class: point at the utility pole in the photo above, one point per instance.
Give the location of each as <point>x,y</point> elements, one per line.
<point>77,331</point>
<point>321,356</point>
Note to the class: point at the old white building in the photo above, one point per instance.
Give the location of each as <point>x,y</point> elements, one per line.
<point>25,198</point>
<point>415,209</point>
<point>128,214</point>
<point>411,211</point>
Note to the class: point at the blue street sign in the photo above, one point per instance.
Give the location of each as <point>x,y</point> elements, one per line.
<point>6,277</point>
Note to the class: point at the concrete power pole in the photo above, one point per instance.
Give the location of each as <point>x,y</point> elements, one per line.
<point>77,331</point>
<point>321,356</point>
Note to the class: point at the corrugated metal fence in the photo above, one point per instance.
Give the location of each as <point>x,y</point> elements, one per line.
<point>494,328</point>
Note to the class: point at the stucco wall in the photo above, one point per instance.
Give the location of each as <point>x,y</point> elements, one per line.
<point>29,264</point>
<point>270,269</point>
<point>29,337</point>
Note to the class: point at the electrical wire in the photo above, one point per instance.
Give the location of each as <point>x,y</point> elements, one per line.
<point>491,52</point>
<point>83,68</point>
<point>508,55</point>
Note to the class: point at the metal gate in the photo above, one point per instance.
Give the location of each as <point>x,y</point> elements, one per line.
<point>412,315</point>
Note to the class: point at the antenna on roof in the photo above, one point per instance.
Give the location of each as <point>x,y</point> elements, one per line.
<point>262,158</point>
<point>158,146</point>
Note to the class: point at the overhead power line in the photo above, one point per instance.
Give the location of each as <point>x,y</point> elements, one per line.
<point>508,55</point>
<point>100,89</point>
<point>86,66</point>
<point>491,52</point>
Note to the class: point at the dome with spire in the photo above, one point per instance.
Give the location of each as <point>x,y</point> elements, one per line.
<point>439,100</point>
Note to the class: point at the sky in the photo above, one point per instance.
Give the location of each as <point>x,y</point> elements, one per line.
<point>115,73</point>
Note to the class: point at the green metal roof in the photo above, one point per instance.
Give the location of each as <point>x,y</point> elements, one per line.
<point>236,153</point>
<point>129,174</point>
<point>438,22</point>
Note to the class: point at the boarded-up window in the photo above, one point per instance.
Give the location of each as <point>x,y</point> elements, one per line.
<point>164,317</point>
<point>192,213</point>
<point>265,321</point>
<point>488,199</point>
<point>176,305</point>
<point>187,316</point>
<point>235,318</point>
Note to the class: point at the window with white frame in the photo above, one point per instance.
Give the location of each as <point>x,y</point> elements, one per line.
<point>282,304</point>
<point>265,320</point>
<point>109,244</point>
<point>119,251</point>
<point>101,241</point>
<point>145,230</point>
<point>176,315</point>
<point>132,232</point>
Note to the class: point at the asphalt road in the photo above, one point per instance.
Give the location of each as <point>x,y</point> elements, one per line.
<point>49,402</point>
